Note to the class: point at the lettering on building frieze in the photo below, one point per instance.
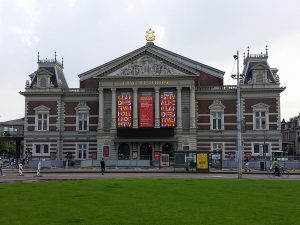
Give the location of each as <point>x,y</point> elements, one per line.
<point>145,82</point>
<point>147,66</point>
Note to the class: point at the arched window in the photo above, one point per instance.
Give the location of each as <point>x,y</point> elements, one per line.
<point>124,152</point>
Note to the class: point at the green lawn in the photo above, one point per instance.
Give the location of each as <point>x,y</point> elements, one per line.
<point>152,201</point>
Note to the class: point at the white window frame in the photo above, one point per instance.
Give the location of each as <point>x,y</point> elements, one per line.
<point>216,108</point>
<point>217,146</point>
<point>82,121</point>
<point>261,152</point>
<point>82,109</point>
<point>42,148</point>
<point>42,110</point>
<point>260,108</point>
<point>81,147</point>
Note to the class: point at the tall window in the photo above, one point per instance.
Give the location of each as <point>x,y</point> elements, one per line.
<point>260,120</point>
<point>82,121</point>
<point>82,116</point>
<point>42,121</point>
<point>42,118</point>
<point>260,116</point>
<point>82,152</point>
<point>217,115</point>
<point>217,120</point>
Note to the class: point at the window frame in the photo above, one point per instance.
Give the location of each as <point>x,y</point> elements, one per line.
<point>260,108</point>
<point>41,152</point>
<point>81,109</point>
<point>42,110</point>
<point>217,108</point>
<point>80,148</point>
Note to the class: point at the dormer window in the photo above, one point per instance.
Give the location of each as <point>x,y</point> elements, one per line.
<point>259,76</point>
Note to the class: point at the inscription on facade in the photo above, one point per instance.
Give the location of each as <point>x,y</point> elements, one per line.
<point>145,82</point>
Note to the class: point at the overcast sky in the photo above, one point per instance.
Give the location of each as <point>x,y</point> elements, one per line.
<point>89,33</point>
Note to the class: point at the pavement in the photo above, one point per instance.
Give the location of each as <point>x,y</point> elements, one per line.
<point>29,175</point>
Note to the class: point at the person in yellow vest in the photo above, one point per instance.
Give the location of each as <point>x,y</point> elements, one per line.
<point>275,167</point>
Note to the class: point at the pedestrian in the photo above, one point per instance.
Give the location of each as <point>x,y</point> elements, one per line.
<point>247,169</point>
<point>39,166</point>
<point>1,165</point>
<point>102,163</point>
<point>21,169</point>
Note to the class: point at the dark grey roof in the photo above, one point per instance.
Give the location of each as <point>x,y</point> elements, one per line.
<point>251,64</point>
<point>56,72</point>
<point>16,122</point>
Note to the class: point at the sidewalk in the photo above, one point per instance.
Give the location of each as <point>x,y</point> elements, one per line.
<point>136,170</point>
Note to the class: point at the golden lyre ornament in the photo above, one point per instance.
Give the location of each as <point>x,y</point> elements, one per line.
<point>150,37</point>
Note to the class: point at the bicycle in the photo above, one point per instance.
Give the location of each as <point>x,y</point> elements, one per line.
<point>283,172</point>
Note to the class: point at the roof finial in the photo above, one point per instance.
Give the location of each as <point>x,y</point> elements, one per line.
<point>62,62</point>
<point>266,50</point>
<point>38,57</point>
<point>150,37</point>
<point>55,56</point>
<point>248,51</point>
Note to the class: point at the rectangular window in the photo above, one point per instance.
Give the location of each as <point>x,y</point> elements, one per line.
<point>42,122</point>
<point>82,121</point>
<point>260,120</point>
<point>41,150</point>
<point>216,120</point>
<point>46,149</point>
<point>38,149</point>
<point>82,151</point>
<point>217,147</point>
<point>256,148</point>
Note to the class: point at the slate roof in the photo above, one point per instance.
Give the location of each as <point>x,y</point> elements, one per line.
<point>16,122</point>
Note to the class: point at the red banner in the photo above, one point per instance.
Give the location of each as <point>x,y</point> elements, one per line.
<point>125,110</point>
<point>167,110</point>
<point>146,111</point>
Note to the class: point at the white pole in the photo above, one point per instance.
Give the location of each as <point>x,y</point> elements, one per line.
<point>239,133</point>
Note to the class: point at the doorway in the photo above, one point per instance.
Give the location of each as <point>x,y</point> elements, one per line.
<point>145,152</point>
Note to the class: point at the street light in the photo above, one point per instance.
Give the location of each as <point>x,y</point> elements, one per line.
<point>239,132</point>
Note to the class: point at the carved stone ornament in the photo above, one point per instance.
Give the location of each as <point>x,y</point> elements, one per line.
<point>150,37</point>
<point>146,66</point>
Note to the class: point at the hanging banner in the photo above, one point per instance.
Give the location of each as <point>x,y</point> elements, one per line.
<point>124,114</point>
<point>146,111</point>
<point>167,109</point>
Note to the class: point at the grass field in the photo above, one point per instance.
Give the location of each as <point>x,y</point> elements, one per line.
<point>151,201</point>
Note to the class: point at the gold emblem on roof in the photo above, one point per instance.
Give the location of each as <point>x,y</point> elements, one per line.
<point>150,37</point>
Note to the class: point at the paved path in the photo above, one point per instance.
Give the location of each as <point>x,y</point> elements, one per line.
<point>13,177</point>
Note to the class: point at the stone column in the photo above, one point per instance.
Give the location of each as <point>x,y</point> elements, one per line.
<point>100,116</point>
<point>113,108</point>
<point>157,121</point>
<point>179,112</point>
<point>135,108</point>
<point>192,104</point>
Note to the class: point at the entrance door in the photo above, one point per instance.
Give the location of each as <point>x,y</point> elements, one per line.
<point>168,149</point>
<point>145,152</point>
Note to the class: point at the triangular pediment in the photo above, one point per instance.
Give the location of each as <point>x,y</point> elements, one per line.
<point>260,106</point>
<point>150,60</point>
<point>146,65</point>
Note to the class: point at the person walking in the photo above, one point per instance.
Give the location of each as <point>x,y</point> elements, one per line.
<point>1,165</point>
<point>39,166</point>
<point>20,169</point>
<point>247,169</point>
<point>102,163</point>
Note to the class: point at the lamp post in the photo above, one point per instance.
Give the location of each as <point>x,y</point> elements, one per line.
<point>239,131</point>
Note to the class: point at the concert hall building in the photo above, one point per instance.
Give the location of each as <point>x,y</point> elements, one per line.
<point>147,104</point>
